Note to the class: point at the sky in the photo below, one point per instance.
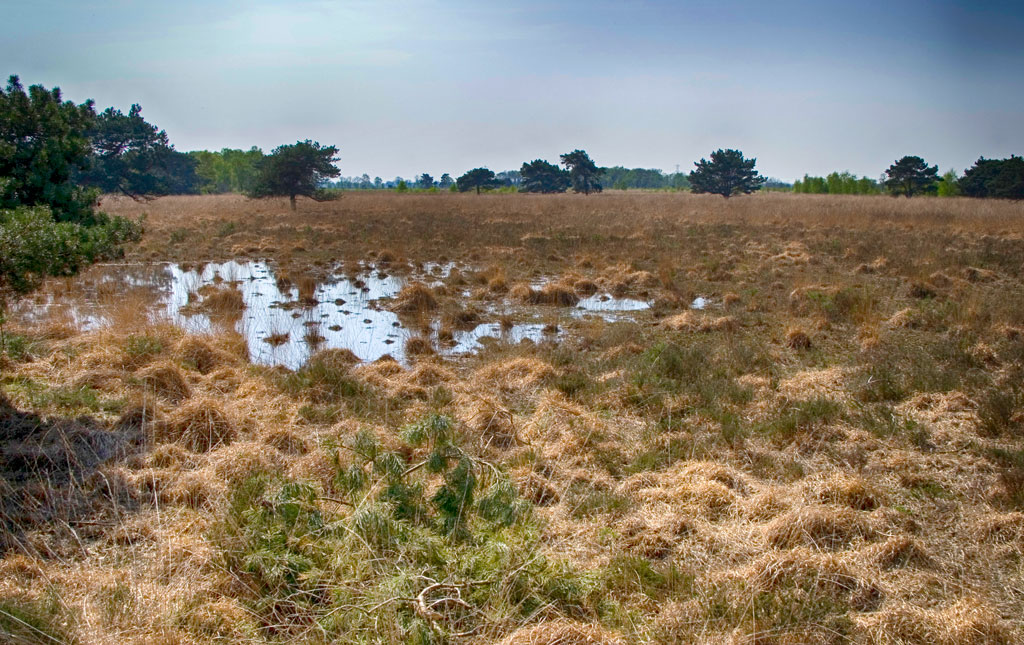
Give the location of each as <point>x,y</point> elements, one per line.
<point>411,86</point>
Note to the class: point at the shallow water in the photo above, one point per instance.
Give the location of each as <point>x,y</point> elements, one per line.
<point>348,312</point>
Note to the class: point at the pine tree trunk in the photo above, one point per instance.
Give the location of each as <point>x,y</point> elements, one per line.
<point>292,200</point>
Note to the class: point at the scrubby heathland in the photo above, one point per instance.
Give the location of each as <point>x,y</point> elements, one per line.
<point>829,451</point>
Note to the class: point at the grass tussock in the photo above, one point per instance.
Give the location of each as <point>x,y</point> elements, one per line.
<point>199,425</point>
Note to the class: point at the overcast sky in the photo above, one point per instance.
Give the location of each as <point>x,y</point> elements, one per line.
<point>416,86</point>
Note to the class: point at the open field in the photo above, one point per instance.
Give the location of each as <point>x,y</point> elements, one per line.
<point>830,451</point>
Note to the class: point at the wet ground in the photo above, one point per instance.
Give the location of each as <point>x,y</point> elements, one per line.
<point>284,323</point>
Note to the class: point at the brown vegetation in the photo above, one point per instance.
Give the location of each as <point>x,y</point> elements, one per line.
<point>828,452</point>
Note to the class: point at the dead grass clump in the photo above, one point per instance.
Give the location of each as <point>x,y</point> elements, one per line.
<point>550,294</point>
<point>459,317</point>
<point>195,489</point>
<point>691,321</point>
<point>429,374</point>
<point>166,381</point>
<point>849,490</point>
<point>521,373</point>
<point>797,338</point>
<point>584,287</point>
<point>414,298</point>
<point>334,359</point>
<point>897,552</point>
<point>563,632</point>
<point>222,620</point>
<point>199,425</point>
<point>418,346</point>
<point>170,455</point>
<point>966,622</point>
<point>200,353</point>
<point>286,440</point>
<point>654,538</point>
<point>904,319</point>
<point>241,460</point>
<point>488,420</point>
<point>1002,527</point>
<point>812,384</point>
<point>824,572</point>
<point>224,302</point>
<point>821,527</point>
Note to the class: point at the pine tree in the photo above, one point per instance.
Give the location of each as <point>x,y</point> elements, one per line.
<point>727,174</point>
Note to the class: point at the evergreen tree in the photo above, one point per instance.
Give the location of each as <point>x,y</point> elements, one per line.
<point>43,141</point>
<point>728,173</point>
<point>478,179</point>
<point>911,176</point>
<point>133,157</point>
<point>298,169</point>
<point>426,181</point>
<point>539,176</point>
<point>583,172</point>
<point>446,181</point>
<point>1002,178</point>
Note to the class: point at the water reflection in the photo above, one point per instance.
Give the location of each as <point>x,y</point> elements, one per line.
<point>285,318</point>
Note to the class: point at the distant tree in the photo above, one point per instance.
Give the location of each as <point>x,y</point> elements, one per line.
<point>540,176</point>
<point>478,179</point>
<point>583,172</point>
<point>401,186</point>
<point>43,142</point>
<point>911,176</point>
<point>727,174</point>
<point>426,181</point>
<point>227,171</point>
<point>298,169</point>
<point>949,184</point>
<point>510,178</point>
<point>446,181</point>
<point>1002,178</point>
<point>135,158</point>
<point>378,182</point>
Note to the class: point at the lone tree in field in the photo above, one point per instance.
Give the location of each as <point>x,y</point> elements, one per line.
<point>294,170</point>
<point>539,176</point>
<point>912,176</point>
<point>583,172</point>
<point>727,174</point>
<point>478,178</point>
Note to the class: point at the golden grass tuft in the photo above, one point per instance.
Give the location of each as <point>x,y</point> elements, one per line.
<point>550,294</point>
<point>418,346</point>
<point>965,622</point>
<point>201,353</point>
<point>199,425</point>
<point>166,381</point>
<point>692,321</point>
<point>414,298</point>
<point>820,527</point>
<point>563,632</point>
<point>488,420</point>
<point>847,489</point>
<point>286,440</point>
<point>334,358</point>
<point>224,302</point>
<point>516,374</point>
<point>897,552</point>
<point>236,462</point>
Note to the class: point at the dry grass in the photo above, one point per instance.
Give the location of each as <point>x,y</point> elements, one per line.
<point>826,453</point>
